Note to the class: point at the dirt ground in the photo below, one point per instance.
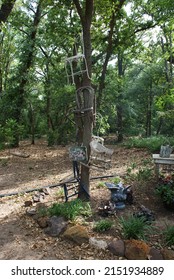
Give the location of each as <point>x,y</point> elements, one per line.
<point>41,166</point>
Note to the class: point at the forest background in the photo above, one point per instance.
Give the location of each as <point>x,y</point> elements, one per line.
<point>132,68</point>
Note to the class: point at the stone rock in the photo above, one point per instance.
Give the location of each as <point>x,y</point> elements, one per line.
<point>167,254</point>
<point>46,191</point>
<point>28,203</point>
<point>98,243</point>
<point>117,247</point>
<point>31,212</point>
<point>39,197</point>
<point>136,250</point>
<point>42,222</point>
<point>56,225</point>
<point>77,233</point>
<point>41,206</point>
<point>155,254</point>
<point>36,198</point>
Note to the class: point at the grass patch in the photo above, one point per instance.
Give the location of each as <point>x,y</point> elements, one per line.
<point>103,225</point>
<point>135,227</point>
<point>101,185</point>
<point>71,210</point>
<point>60,193</point>
<point>116,180</point>
<point>168,235</point>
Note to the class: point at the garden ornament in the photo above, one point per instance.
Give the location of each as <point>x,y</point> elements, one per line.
<point>145,213</point>
<point>166,151</point>
<point>119,194</point>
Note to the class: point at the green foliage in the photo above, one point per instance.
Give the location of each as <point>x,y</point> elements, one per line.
<point>8,132</point>
<point>168,235</point>
<point>144,174</point>
<point>135,227</point>
<point>116,180</point>
<point>71,210</point>
<point>102,125</point>
<point>51,137</point>
<point>11,130</point>
<point>2,138</point>
<point>152,144</point>
<point>42,212</point>
<point>103,225</point>
<point>143,87</point>
<point>166,192</point>
<point>60,193</point>
<point>100,185</point>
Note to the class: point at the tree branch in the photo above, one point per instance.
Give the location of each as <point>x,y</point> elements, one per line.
<point>79,9</point>
<point>146,26</point>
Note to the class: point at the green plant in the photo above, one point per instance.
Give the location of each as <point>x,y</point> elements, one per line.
<point>103,225</point>
<point>168,235</point>
<point>11,130</point>
<point>141,174</point>
<point>42,212</point>
<point>60,193</point>
<point>135,227</point>
<point>100,185</point>
<point>71,210</point>
<point>144,174</point>
<point>166,192</point>
<point>116,180</point>
<point>152,144</point>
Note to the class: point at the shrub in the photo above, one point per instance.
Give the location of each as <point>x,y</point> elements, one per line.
<point>166,193</point>
<point>169,235</point>
<point>71,210</point>
<point>141,174</point>
<point>144,174</point>
<point>135,227</point>
<point>103,225</point>
<point>152,144</point>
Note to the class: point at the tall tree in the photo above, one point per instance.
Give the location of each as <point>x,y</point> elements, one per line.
<point>5,10</point>
<point>86,13</point>
<point>115,8</point>
<point>26,60</point>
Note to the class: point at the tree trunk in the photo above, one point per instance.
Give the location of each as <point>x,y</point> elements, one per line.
<point>25,67</point>
<point>119,105</point>
<point>86,130</point>
<point>115,9</point>
<point>32,123</point>
<point>149,113</point>
<point>6,9</point>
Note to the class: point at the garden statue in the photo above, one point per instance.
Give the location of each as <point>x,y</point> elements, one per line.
<point>120,194</point>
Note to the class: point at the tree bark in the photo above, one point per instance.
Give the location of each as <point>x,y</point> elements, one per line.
<point>6,9</point>
<point>120,100</point>
<point>86,131</point>
<point>149,112</point>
